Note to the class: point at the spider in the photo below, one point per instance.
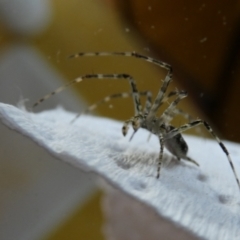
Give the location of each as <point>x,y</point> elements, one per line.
<point>168,135</point>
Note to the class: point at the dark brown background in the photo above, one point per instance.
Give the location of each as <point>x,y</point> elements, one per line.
<point>201,39</point>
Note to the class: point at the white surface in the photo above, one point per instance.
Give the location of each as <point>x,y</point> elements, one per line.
<point>204,200</point>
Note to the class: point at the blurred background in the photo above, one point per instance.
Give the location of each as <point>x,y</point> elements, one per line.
<point>42,198</point>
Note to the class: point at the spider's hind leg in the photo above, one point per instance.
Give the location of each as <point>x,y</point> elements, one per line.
<point>189,159</point>
<point>176,131</point>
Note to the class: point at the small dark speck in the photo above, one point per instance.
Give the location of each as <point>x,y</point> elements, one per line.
<point>201,177</point>
<point>225,199</point>
<point>118,148</point>
<point>143,185</point>
<point>139,185</point>
<point>123,165</point>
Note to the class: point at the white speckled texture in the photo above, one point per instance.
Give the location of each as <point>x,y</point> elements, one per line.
<point>204,200</point>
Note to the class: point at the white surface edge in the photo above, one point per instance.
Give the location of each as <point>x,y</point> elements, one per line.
<point>204,200</point>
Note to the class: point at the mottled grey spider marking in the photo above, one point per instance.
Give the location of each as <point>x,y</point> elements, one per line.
<point>168,135</point>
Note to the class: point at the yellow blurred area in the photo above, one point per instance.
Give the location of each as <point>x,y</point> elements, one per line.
<point>84,26</point>
<point>85,223</point>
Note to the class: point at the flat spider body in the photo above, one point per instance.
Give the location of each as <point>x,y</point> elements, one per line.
<point>168,135</point>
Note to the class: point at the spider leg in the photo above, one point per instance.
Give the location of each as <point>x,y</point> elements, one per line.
<point>165,99</point>
<point>190,160</point>
<point>168,114</point>
<point>171,114</point>
<point>160,96</point>
<point>187,116</point>
<point>135,94</point>
<point>176,145</point>
<point>148,103</point>
<point>109,98</point>
<point>124,54</point>
<point>161,140</point>
<point>177,111</point>
<point>159,63</point>
<point>170,94</point>
<point>198,122</point>
<point>181,112</point>
<point>148,106</point>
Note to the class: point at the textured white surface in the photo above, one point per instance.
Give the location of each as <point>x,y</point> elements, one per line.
<point>129,219</point>
<point>204,200</point>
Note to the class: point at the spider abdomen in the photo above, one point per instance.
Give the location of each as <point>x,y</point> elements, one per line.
<point>177,145</point>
